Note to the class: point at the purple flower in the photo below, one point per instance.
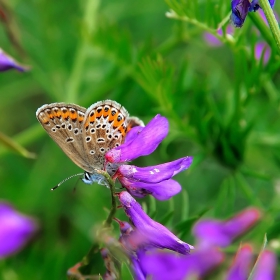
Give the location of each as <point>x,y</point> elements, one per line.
<point>165,266</point>
<point>7,62</point>
<point>15,230</point>
<point>242,264</point>
<point>213,40</point>
<point>143,143</point>
<point>154,180</point>
<point>213,232</point>
<point>254,6</point>
<point>154,174</point>
<point>148,232</point>
<point>240,9</point>
<point>262,49</point>
<point>265,267</point>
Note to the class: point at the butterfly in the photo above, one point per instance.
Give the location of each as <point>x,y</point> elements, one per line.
<point>85,135</point>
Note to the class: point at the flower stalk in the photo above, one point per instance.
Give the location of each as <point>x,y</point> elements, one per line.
<point>271,21</point>
<point>111,185</point>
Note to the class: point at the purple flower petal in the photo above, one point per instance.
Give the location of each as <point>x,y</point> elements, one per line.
<point>155,234</point>
<point>15,230</point>
<point>242,264</point>
<point>166,266</point>
<point>7,62</point>
<point>211,232</point>
<point>211,40</point>
<point>156,173</point>
<point>133,133</point>
<point>161,191</point>
<point>143,144</point>
<point>240,9</point>
<point>137,269</point>
<point>262,48</point>
<point>271,2</point>
<point>266,265</point>
<point>254,6</point>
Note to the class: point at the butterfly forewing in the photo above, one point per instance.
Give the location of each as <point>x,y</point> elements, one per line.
<point>64,123</point>
<point>105,126</point>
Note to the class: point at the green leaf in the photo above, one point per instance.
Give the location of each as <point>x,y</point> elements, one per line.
<point>14,146</point>
<point>126,273</point>
<point>262,249</point>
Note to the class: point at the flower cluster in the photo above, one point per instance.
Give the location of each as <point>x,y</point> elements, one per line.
<point>240,9</point>
<point>154,180</point>
<point>145,239</point>
<point>154,251</point>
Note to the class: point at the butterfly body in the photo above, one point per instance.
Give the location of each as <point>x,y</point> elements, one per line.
<point>85,135</point>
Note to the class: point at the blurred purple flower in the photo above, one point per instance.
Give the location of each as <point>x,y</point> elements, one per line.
<point>265,266</point>
<point>149,233</point>
<point>240,9</point>
<point>262,49</point>
<point>154,180</point>
<point>7,62</point>
<point>240,268</point>
<point>165,266</point>
<point>15,230</point>
<point>213,40</point>
<point>217,233</point>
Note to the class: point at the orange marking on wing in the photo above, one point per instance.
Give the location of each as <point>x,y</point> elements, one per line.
<point>54,113</point>
<point>117,123</point>
<point>111,118</point>
<point>98,115</point>
<point>74,115</point>
<point>92,118</point>
<point>59,114</point>
<point>65,115</point>
<point>80,118</point>
<point>44,119</point>
<point>86,124</point>
<point>105,114</point>
<point>122,130</point>
<point>50,115</point>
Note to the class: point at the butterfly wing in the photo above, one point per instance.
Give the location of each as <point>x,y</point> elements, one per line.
<point>105,126</point>
<point>63,122</point>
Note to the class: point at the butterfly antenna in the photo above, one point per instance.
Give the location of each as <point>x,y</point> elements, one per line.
<point>79,174</point>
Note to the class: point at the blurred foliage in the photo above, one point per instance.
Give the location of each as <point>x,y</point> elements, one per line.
<point>151,56</point>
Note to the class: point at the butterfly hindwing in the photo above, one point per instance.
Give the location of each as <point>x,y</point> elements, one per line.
<point>105,127</point>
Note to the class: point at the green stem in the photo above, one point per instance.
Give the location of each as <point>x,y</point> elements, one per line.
<point>262,27</point>
<point>274,26</point>
<point>88,28</point>
<point>111,185</point>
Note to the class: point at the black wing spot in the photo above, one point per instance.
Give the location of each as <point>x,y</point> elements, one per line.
<point>69,139</point>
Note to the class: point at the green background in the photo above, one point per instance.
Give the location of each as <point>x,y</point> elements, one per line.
<point>221,102</point>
